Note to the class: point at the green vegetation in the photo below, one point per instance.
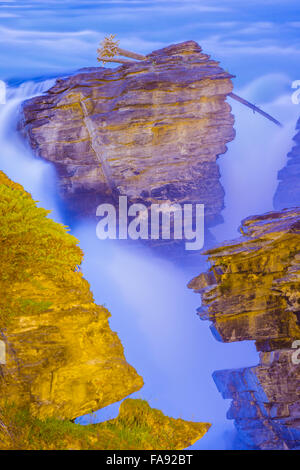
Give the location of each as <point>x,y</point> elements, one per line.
<point>137,427</point>
<point>30,243</point>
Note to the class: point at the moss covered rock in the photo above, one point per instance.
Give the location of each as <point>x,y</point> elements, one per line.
<point>62,358</point>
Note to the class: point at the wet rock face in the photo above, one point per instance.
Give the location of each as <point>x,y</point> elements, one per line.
<point>151,130</point>
<point>62,359</point>
<point>288,190</point>
<point>252,292</point>
<point>65,363</point>
<point>265,401</point>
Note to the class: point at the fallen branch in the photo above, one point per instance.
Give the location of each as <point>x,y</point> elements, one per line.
<point>116,60</point>
<point>132,55</point>
<point>254,108</point>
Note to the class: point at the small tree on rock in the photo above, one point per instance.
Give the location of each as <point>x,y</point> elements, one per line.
<point>109,49</point>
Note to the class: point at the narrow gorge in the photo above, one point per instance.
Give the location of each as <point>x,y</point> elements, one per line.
<point>152,130</point>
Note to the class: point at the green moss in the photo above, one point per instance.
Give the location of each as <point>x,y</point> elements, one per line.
<point>30,306</point>
<point>31,245</point>
<point>36,434</point>
<point>137,427</point>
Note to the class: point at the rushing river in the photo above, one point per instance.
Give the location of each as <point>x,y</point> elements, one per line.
<point>152,310</point>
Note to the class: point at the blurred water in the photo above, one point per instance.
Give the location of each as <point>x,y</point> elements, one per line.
<point>48,37</point>
<point>249,168</point>
<point>152,310</point>
<point>37,176</point>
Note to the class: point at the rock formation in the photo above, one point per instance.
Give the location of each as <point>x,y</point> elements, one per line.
<point>62,359</point>
<point>138,427</point>
<point>151,130</point>
<point>251,292</point>
<point>288,190</point>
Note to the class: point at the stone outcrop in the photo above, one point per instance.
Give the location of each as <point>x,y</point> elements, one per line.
<point>62,359</point>
<point>151,130</point>
<point>288,190</point>
<point>251,292</point>
<point>138,427</point>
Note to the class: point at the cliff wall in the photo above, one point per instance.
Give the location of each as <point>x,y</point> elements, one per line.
<point>252,292</point>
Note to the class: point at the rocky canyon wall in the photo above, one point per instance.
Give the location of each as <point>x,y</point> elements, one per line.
<point>252,292</point>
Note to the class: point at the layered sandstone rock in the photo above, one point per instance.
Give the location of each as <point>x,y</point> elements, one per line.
<point>288,190</point>
<point>62,359</point>
<point>251,292</point>
<point>151,130</point>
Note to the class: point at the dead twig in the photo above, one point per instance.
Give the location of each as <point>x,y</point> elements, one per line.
<point>254,108</point>
<point>110,48</point>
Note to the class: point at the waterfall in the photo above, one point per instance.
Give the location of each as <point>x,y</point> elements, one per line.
<point>16,158</point>
<point>152,310</point>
